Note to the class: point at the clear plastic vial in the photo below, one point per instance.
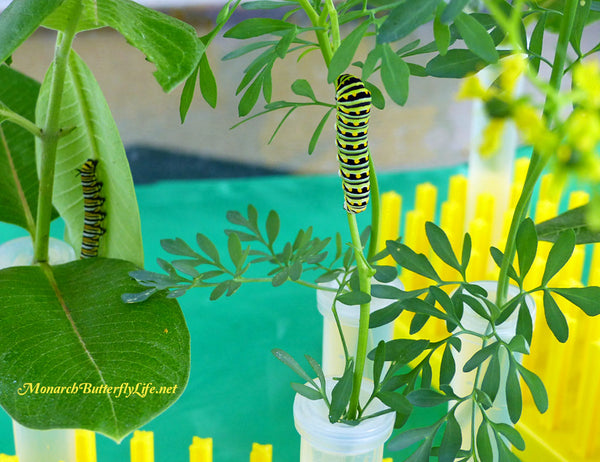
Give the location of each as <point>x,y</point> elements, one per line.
<point>322,441</point>
<point>39,445</point>
<point>462,383</point>
<point>349,315</point>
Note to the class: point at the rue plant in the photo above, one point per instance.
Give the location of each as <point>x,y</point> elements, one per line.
<point>466,39</point>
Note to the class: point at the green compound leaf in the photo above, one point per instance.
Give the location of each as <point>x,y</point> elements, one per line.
<point>427,398</point>
<point>67,324</point>
<point>575,219</point>
<point>512,434</point>
<point>410,260</point>
<point>385,315</point>
<point>408,438</point>
<point>476,37</point>
<point>491,379</point>
<point>396,401</point>
<point>318,370</point>
<point>234,245</point>
<point>95,136</point>
<point>250,96</point>
<point>378,363</point>
<point>19,20</point>
<point>255,27</point>
<point>208,83</point>
<point>452,10</point>
<point>317,133</point>
<point>340,395</point>
<point>187,95</point>
<point>345,53</point>
<point>354,298</point>
<point>441,245</point>
<point>405,18</point>
<point>480,356</point>
<point>403,351</point>
<point>555,318</point>
<point>586,298</point>
<point>536,386</point>
<point>441,34</point>
<point>514,399</point>
<point>394,75</point>
<point>287,359</point>
<point>17,152</point>
<point>526,246</point>
<point>306,391</point>
<point>484,443</point>
<point>377,98</point>
<point>302,87</point>
<point>457,63</point>
<point>559,255</point>
<point>272,226</point>
<point>447,365</point>
<point>537,42</point>
<point>451,441</point>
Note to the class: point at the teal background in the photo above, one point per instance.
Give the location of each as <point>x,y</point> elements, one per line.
<point>238,392</point>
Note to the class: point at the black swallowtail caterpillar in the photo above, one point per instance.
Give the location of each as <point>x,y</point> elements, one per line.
<point>353,103</point>
<point>92,209</point>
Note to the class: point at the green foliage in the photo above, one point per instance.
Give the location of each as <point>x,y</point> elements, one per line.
<point>290,261</point>
<point>17,155</point>
<point>576,219</point>
<point>97,137</point>
<point>68,305</point>
<point>19,20</point>
<point>76,332</point>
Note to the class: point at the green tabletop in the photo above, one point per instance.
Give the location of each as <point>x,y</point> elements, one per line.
<point>238,393</point>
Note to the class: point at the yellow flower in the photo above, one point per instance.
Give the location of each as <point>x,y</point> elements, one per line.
<point>512,68</point>
<point>473,89</point>
<point>533,129</point>
<point>492,137</point>
<point>586,77</point>
<point>583,129</point>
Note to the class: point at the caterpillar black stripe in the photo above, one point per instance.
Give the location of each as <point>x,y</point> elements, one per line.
<point>353,103</point>
<point>93,214</point>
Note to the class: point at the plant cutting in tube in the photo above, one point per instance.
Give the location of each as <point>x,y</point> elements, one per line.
<point>54,316</point>
<point>465,41</point>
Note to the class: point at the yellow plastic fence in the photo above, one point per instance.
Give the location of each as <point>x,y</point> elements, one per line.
<point>569,431</point>
<point>142,449</point>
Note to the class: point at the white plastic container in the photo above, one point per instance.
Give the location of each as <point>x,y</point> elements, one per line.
<point>44,445</point>
<point>322,441</point>
<point>19,252</point>
<point>39,445</point>
<point>333,362</point>
<point>462,383</point>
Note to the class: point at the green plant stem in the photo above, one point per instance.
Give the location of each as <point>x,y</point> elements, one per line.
<point>538,162</point>
<point>321,23</point>
<point>375,210</point>
<point>50,135</point>
<point>335,25</point>
<point>364,274</point>
<point>21,121</point>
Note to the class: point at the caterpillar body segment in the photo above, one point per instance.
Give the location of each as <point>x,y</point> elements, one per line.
<point>353,104</point>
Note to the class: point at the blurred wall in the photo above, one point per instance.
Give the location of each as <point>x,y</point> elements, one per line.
<point>432,129</point>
